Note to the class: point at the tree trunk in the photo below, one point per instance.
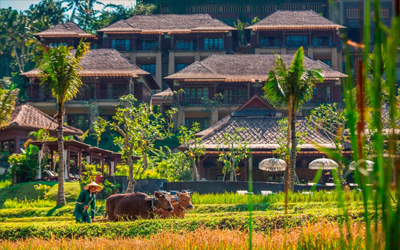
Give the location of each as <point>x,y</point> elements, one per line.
<point>61,193</point>
<point>292,169</point>
<point>195,174</point>
<point>131,182</point>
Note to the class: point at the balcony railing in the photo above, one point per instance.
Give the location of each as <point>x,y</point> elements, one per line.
<point>235,99</point>
<point>320,100</point>
<point>110,94</point>
<point>193,101</point>
<point>147,47</point>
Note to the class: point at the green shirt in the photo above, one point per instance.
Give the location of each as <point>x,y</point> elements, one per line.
<point>84,199</point>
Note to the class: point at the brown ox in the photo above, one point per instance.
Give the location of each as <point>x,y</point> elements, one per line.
<point>136,205</point>
<point>180,206</point>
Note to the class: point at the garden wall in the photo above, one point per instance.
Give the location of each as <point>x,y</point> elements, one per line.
<point>207,187</point>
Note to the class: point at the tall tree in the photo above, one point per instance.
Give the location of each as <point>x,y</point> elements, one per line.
<point>192,144</point>
<point>45,14</point>
<point>291,86</point>
<point>59,71</point>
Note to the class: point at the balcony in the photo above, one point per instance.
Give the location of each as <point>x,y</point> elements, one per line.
<point>319,100</point>
<point>235,99</point>
<point>110,94</point>
<point>192,101</point>
<point>147,47</point>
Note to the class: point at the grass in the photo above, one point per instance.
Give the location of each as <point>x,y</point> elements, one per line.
<point>72,190</point>
<point>310,236</point>
<point>22,191</point>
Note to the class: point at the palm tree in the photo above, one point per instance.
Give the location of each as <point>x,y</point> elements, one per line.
<point>8,98</point>
<point>59,71</point>
<point>291,87</point>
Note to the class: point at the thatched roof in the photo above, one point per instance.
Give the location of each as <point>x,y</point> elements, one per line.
<point>26,116</point>
<point>171,23</point>
<point>261,128</point>
<point>106,63</point>
<point>243,68</point>
<point>295,20</point>
<point>68,29</point>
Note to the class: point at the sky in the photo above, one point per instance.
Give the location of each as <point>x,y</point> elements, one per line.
<point>24,4</point>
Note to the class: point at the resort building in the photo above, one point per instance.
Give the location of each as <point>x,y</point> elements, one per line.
<point>261,131</point>
<point>107,75</point>
<point>67,34</point>
<point>165,44</point>
<point>283,32</point>
<point>237,78</point>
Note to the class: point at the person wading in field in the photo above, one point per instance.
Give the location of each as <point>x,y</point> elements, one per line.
<point>86,198</point>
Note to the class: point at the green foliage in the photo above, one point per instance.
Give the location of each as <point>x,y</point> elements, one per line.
<point>89,174</point>
<point>144,8</point>
<point>171,166</point>
<point>5,183</point>
<point>42,189</point>
<point>192,145</point>
<point>8,98</point>
<point>39,203</point>
<point>22,191</point>
<point>24,166</point>
<point>255,20</point>
<point>110,188</point>
<point>234,149</point>
<point>42,135</point>
<point>241,26</point>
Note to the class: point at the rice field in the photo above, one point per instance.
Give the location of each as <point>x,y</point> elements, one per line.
<point>323,235</point>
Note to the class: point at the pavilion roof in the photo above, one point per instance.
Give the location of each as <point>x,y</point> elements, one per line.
<point>237,67</point>
<point>170,23</point>
<point>28,117</point>
<point>295,20</point>
<point>68,29</point>
<point>261,128</point>
<point>105,63</point>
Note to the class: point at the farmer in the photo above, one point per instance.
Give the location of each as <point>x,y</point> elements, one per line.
<point>86,197</point>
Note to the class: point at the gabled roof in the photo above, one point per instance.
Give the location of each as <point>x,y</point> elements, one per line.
<point>28,117</point>
<point>244,68</point>
<point>69,29</point>
<point>171,23</point>
<point>261,128</point>
<point>103,63</point>
<point>295,20</point>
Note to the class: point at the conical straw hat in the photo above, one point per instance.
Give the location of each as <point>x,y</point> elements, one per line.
<point>93,184</point>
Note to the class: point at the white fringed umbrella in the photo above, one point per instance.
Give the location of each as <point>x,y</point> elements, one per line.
<point>272,165</point>
<point>323,163</point>
<point>369,164</point>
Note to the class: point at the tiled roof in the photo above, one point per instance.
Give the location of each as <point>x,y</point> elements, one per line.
<point>168,23</point>
<point>295,20</point>
<point>246,67</point>
<point>261,129</point>
<point>29,117</point>
<point>68,29</point>
<point>105,62</point>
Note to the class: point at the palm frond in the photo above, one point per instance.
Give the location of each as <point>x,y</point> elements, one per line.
<point>8,99</point>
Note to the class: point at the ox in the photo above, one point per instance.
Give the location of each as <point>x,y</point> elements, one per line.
<point>136,205</point>
<point>181,203</point>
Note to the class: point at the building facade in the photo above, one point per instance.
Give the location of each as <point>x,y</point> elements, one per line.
<point>165,44</point>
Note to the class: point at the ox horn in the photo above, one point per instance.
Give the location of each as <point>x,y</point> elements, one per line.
<point>148,198</point>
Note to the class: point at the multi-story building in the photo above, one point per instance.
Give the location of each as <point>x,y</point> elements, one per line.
<point>229,11</point>
<point>237,78</point>
<point>106,76</point>
<point>283,32</point>
<point>165,44</point>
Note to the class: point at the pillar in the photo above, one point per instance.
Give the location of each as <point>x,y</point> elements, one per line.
<point>246,170</point>
<point>310,51</point>
<point>80,163</point>
<point>159,68</point>
<point>334,58</point>
<point>68,162</point>
<point>197,56</point>
<point>52,168</point>
<point>102,165</point>
<point>214,117</point>
<point>171,63</point>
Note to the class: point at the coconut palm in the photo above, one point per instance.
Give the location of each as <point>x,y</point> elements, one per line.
<point>291,86</point>
<point>8,98</point>
<point>59,71</point>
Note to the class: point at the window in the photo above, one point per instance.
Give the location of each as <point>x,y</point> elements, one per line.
<point>213,43</point>
<point>235,96</point>
<point>184,44</point>
<point>120,44</point>
<point>151,68</point>
<point>195,95</point>
<point>384,13</point>
<point>147,45</point>
<point>181,66</point>
<point>7,146</point>
<point>269,41</point>
<point>296,41</point>
<point>93,46</point>
<point>322,41</point>
<point>203,123</point>
<point>55,45</point>
<point>353,13</point>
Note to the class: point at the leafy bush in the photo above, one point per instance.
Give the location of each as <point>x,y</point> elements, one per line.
<point>43,189</point>
<point>5,183</point>
<point>28,203</point>
<point>89,174</point>
<point>24,166</point>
